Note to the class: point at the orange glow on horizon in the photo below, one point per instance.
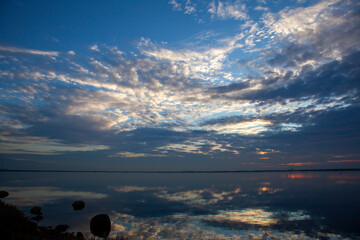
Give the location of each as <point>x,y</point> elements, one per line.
<point>301,164</point>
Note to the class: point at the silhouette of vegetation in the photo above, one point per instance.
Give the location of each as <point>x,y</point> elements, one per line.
<point>15,225</point>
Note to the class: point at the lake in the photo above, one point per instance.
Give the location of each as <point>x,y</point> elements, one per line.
<point>252,205</point>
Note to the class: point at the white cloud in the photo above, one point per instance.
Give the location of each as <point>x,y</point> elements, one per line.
<point>252,127</point>
<point>95,47</point>
<point>190,7</point>
<point>228,10</point>
<point>290,21</point>
<point>176,5</point>
<point>261,8</point>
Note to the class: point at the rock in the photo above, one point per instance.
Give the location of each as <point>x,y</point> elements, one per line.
<point>36,211</point>
<point>61,227</point>
<point>78,205</point>
<point>80,236</point>
<point>4,194</point>
<point>100,225</point>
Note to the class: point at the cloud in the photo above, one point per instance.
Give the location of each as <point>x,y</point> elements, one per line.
<point>252,127</point>
<point>176,5</point>
<point>135,155</point>
<point>28,51</point>
<point>300,19</point>
<point>203,147</point>
<point>126,189</point>
<point>95,47</point>
<point>343,161</point>
<point>41,146</point>
<point>261,8</point>
<point>228,10</point>
<point>268,80</point>
<point>188,6</point>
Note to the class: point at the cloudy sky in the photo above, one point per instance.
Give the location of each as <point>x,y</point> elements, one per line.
<point>179,84</point>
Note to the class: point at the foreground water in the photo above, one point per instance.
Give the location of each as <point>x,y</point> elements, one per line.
<point>282,205</point>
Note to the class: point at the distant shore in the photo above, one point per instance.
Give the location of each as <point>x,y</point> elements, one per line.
<point>185,171</point>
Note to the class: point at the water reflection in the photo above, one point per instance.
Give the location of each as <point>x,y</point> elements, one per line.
<point>302,175</point>
<point>319,205</point>
<point>199,196</point>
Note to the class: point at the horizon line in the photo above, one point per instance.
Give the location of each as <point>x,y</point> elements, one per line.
<point>182,171</point>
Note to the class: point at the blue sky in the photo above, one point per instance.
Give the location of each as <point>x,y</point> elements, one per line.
<point>179,85</point>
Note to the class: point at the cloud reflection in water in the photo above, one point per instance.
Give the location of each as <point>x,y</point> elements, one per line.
<point>30,196</point>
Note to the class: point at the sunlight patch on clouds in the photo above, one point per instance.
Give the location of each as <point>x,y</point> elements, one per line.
<point>265,151</point>
<point>204,147</point>
<point>252,127</point>
<point>300,19</point>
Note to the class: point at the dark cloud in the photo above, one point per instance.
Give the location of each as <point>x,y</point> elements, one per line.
<point>335,78</point>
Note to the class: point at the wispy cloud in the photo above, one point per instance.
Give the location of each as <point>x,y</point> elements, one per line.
<point>136,155</point>
<point>28,51</point>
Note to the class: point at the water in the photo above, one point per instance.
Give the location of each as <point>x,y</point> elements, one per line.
<point>282,205</point>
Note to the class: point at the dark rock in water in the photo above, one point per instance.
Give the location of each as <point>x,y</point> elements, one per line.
<point>78,205</point>
<point>61,227</point>
<point>80,236</point>
<point>100,225</point>
<point>38,218</point>
<point>4,194</point>
<point>36,211</point>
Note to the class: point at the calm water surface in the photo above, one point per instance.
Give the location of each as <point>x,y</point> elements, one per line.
<point>296,205</point>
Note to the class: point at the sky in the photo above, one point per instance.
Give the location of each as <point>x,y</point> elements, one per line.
<point>179,84</point>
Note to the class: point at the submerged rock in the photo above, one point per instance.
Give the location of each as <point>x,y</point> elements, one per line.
<point>78,205</point>
<point>36,211</point>
<point>100,225</point>
<point>4,194</point>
